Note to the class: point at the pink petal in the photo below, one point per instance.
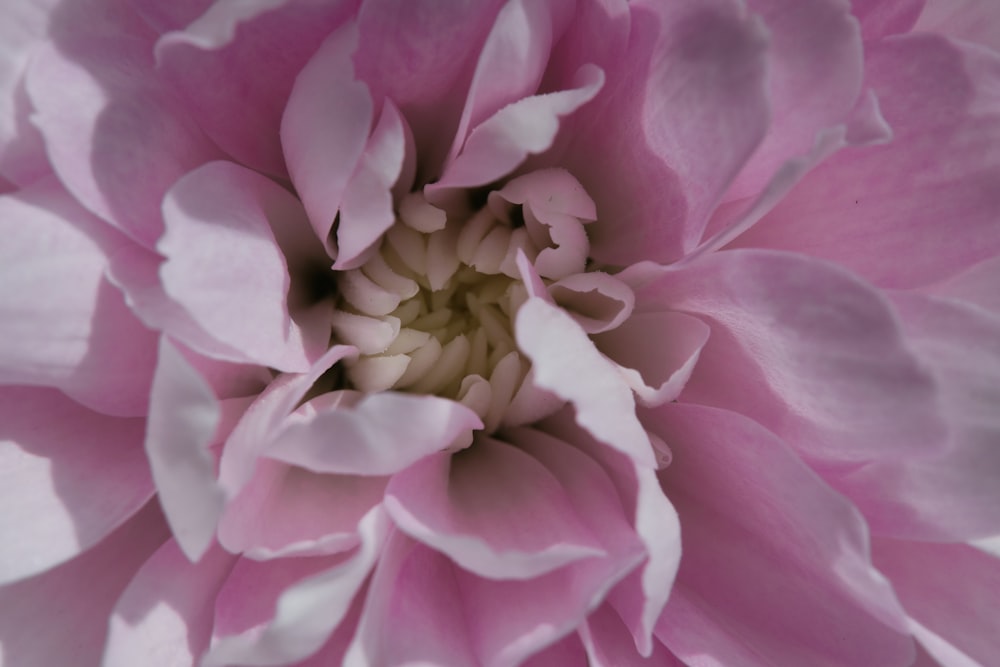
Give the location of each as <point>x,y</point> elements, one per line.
<point>568,652</point>
<point>97,99</point>
<point>22,152</point>
<point>163,17</point>
<point>164,617</point>
<point>265,417</point>
<point>598,301</point>
<point>61,617</point>
<point>968,20</point>
<point>474,620</point>
<point>559,348</point>
<point>325,128</point>
<point>308,611</point>
<point>640,596</point>
<point>63,324</point>
<point>397,625</point>
<point>954,494</point>
<point>428,85</point>
<point>881,18</point>
<point>367,210</point>
<point>814,79</point>
<point>684,108</point>
<point>285,510</point>
<point>512,60</point>
<point>383,434</point>
<point>235,67</point>
<point>952,589</point>
<point>656,352</point>
<point>225,267</point>
<point>930,190</point>
<point>802,590</point>
<point>529,126</point>
<point>975,286</point>
<point>69,477</point>
<point>493,509</point>
<point>808,351</point>
<point>609,643</point>
<point>183,417</point>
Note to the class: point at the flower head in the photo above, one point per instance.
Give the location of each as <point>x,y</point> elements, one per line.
<point>542,332</point>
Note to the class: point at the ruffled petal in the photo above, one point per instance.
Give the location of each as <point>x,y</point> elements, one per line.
<point>810,352</point>
<point>970,20</point>
<point>493,509</point>
<point>324,129</point>
<point>526,127</point>
<point>235,66</point>
<point>381,435</point>
<point>657,352</point>
<point>183,418</point>
<point>164,617</point>
<point>60,617</point>
<point>684,108</point>
<point>63,324</point>
<point>69,477</point>
<point>225,266</point>
<point>289,511</point>
<point>954,494</point>
<point>814,80</point>
<point>802,590</point>
<point>931,191</point>
<point>951,590</point>
<point>307,612</point>
<point>115,134</point>
<point>560,350</point>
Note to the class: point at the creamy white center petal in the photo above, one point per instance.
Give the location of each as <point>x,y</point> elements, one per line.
<point>431,311</point>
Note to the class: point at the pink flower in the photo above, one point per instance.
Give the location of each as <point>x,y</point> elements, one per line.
<point>532,332</point>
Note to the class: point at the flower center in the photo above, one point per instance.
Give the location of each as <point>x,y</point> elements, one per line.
<point>431,310</point>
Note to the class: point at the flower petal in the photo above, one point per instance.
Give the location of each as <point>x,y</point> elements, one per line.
<point>493,509</point>
<point>930,191</point>
<point>63,324</point>
<point>325,128</point>
<point>529,126</point>
<point>383,434</point>
<point>183,418</point>
<point>115,134</point>
<point>810,352</point>
<point>308,611</point>
<point>656,352</point>
<point>952,589</point>
<point>60,617</point>
<point>814,79</point>
<point>559,349</point>
<point>225,267</point>
<point>164,617</point>
<point>69,477</point>
<point>684,108</point>
<point>288,511</point>
<point>235,66</point>
<point>803,565</point>
<point>954,494</point>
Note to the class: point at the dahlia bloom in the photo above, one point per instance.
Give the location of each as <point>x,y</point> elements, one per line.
<point>523,332</point>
